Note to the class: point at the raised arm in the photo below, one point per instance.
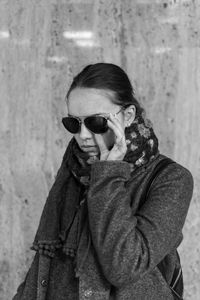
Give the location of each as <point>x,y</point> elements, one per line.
<point>129,243</point>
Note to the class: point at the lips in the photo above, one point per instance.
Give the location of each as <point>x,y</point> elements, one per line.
<point>92,146</point>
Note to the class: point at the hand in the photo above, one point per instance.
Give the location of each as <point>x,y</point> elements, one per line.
<point>119,149</point>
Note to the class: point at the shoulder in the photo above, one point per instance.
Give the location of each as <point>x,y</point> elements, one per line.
<point>169,194</point>
<point>175,171</point>
<point>174,179</point>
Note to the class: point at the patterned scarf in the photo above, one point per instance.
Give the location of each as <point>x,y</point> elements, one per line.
<point>64,221</point>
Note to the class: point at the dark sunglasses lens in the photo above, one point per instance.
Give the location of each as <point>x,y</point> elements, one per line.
<point>71,124</point>
<point>96,124</point>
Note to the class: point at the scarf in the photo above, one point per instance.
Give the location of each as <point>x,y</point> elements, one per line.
<point>64,222</point>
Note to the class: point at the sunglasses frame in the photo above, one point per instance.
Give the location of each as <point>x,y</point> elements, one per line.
<point>82,120</point>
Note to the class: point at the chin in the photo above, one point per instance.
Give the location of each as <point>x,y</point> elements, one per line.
<point>93,153</point>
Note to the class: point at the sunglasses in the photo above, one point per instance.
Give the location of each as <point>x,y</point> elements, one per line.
<point>95,123</point>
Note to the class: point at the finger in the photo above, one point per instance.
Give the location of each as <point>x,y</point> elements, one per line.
<point>115,121</point>
<point>104,152</point>
<point>119,134</point>
<point>120,142</point>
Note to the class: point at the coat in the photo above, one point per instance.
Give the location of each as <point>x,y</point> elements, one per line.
<point>128,242</point>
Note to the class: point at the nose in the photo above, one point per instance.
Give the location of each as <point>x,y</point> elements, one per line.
<point>84,132</point>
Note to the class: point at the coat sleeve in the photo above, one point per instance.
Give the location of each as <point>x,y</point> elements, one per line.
<point>129,244</point>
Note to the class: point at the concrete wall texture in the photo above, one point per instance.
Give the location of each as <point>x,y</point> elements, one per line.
<point>44,43</point>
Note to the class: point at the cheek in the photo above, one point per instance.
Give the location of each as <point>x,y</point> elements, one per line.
<point>78,139</point>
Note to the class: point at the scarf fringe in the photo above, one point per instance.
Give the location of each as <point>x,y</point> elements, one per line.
<point>47,248</point>
<point>69,252</point>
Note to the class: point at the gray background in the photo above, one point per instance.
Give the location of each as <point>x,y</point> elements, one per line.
<point>43,44</point>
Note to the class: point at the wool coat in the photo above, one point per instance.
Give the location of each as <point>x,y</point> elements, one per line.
<point>129,242</point>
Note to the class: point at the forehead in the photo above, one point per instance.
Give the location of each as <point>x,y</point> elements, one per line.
<point>88,101</point>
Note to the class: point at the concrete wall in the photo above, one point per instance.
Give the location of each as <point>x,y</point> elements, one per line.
<point>156,42</point>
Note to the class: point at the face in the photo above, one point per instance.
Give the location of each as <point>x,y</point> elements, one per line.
<point>83,102</point>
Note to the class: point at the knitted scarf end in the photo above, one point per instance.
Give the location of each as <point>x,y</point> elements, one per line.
<point>47,248</point>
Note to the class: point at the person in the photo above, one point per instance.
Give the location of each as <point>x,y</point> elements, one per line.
<point>97,239</point>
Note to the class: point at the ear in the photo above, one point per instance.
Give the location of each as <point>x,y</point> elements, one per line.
<point>129,115</point>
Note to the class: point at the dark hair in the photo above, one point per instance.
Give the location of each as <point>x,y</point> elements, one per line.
<point>107,77</point>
